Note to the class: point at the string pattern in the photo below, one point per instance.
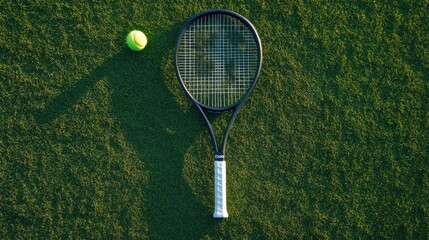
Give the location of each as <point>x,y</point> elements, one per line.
<point>217,59</point>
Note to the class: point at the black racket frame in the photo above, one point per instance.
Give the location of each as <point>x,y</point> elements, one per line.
<point>219,152</point>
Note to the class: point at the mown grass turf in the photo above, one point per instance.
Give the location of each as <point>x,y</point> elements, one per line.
<point>97,141</point>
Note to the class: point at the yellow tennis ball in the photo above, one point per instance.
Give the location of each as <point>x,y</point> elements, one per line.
<point>136,40</point>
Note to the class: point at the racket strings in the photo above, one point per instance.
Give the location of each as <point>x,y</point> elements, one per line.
<point>217,60</point>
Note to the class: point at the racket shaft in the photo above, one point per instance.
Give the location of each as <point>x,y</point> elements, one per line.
<point>220,189</point>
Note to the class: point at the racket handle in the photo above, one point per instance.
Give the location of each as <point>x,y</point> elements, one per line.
<point>220,189</point>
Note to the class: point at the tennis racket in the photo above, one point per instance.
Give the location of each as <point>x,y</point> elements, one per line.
<point>218,58</point>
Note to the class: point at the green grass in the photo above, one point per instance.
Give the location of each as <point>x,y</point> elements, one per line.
<point>100,142</point>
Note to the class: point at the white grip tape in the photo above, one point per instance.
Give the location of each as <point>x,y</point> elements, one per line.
<point>220,189</point>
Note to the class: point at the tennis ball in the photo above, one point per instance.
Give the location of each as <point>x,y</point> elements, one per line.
<point>136,40</point>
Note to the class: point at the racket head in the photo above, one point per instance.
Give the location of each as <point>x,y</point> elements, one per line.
<point>218,58</point>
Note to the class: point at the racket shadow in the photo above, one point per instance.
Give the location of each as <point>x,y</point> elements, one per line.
<point>159,131</point>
